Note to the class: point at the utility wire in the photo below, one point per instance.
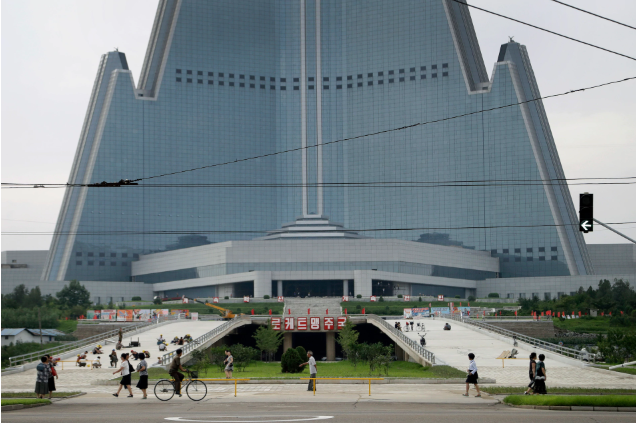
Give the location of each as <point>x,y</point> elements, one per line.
<point>347,139</point>
<point>264,232</point>
<point>379,184</point>
<point>546,30</point>
<point>593,14</point>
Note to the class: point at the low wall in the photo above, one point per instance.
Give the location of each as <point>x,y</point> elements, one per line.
<point>541,329</point>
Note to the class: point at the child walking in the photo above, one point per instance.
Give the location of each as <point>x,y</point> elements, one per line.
<point>472,375</point>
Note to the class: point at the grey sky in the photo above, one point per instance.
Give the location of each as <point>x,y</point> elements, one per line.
<point>51,49</point>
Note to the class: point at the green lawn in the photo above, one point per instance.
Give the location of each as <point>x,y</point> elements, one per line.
<point>340,369</point>
<point>67,326</point>
<point>576,400</point>
<point>259,308</point>
<point>32,394</point>
<point>516,390</point>
<point>24,401</point>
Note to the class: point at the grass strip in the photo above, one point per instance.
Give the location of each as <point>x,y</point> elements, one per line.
<point>33,394</point>
<point>24,401</point>
<point>518,390</point>
<point>340,369</point>
<point>574,400</point>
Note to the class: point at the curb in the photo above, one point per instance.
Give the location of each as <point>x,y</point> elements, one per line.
<point>389,381</point>
<point>574,408</point>
<point>20,406</point>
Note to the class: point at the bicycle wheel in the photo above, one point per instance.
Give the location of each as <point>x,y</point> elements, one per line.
<point>164,390</point>
<point>196,390</point>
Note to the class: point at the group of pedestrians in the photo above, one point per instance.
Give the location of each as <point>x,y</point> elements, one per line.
<point>126,369</point>
<point>537,375</point>
<point>45,377</point>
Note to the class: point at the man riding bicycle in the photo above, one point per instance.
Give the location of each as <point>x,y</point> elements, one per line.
<point>173,370</point>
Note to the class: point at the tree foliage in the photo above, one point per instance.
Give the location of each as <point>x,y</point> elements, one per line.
<point>348,337</point>
<point>608,297</point>
<point>290,361</point>
<point>618,346</point>
<point>243,356</point>
<point>74,294</point>
<point>268,340</point>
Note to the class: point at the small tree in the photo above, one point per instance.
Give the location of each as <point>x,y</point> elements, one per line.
<point>268,340</point>
<point>157,301</point>
<point>74,294</point>
<point>200,361</point>
<point>216,356</point>
<point>243,356</point>
<point>136,299</point>
<point>348,337</point>
<point>290,361</point>
<point>471,298</point>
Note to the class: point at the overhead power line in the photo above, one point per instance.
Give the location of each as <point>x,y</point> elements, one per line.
<point>594,14</point>
<point>264,232</point>
<point>378,184</point>
<point>546,30</point>
<point>414,125</point>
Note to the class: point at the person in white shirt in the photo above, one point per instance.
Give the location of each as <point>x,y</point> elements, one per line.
<point>125,375</point>
<point>97,364</point>
<point>472,375</point>
<point>312,369</point>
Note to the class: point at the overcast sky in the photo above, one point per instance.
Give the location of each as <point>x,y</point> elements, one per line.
<point>51,49</point>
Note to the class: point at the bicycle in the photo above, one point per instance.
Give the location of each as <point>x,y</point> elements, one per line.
<point>195,389</point>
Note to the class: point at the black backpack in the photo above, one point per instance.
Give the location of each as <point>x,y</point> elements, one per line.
<point>131,369</point>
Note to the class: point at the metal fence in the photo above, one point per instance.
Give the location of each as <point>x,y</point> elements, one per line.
<point>428,356</point>
<point>535,342</point>
<point>82,344</point>
<point>196,343</point>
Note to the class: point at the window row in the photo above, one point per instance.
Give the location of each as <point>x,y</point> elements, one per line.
<point>310,78</point>
<point>90,254</point>
<point>310,87</point>
<point>101,263</point>
<point>518,259</point>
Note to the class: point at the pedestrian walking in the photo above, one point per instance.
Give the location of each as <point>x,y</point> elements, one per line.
<point>312,370</point>
<point>52,376</point>
<point>532,372</point>
<point>173,370</point>
<point>142,368</point>
<point>229,364</point>
<point>411,326</point>
<point>42,378</point>
<point>120,335</point>
<point>125,370</point>
<point>473,377</point>
<point>540,378</point>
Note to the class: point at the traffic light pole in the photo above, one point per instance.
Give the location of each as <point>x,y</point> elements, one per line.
<point>614,230</point>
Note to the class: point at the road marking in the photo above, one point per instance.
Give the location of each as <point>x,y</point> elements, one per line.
<point>306,419</point>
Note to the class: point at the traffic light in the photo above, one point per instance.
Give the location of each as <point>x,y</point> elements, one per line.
<point>586,212</point>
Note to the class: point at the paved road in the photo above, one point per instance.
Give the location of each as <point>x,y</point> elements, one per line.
<point>453,347</point>
<point>361,411</point>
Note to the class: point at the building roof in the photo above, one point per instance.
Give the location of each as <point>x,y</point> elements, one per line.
<point>34,332</point>
<point>11,332</point>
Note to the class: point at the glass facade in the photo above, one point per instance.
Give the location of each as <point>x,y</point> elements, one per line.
<point>229,80</point>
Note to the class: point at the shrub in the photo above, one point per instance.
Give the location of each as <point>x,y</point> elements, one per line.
<point>381,299</point>
<point>135,299</point>
<point>457,296</point>
<point>359,296</point>
<point>216,356</point>
<point>419,300</point>
<point>493,295</point>
<point>157,301</point>
<point>471,298</point>
<point>358,307</point>
<point>266,297</point>
<point>243,356</point>
<point>302,352</point>
<point>290,361</point>
<point>399,296</point>
<point>226,298</point>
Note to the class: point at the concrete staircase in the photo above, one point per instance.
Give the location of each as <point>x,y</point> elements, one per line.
<point>316,306</point>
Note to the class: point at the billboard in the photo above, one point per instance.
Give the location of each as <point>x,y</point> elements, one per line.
<point>440,310</point>
<point>124,315</point>
<point>109,315</point>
